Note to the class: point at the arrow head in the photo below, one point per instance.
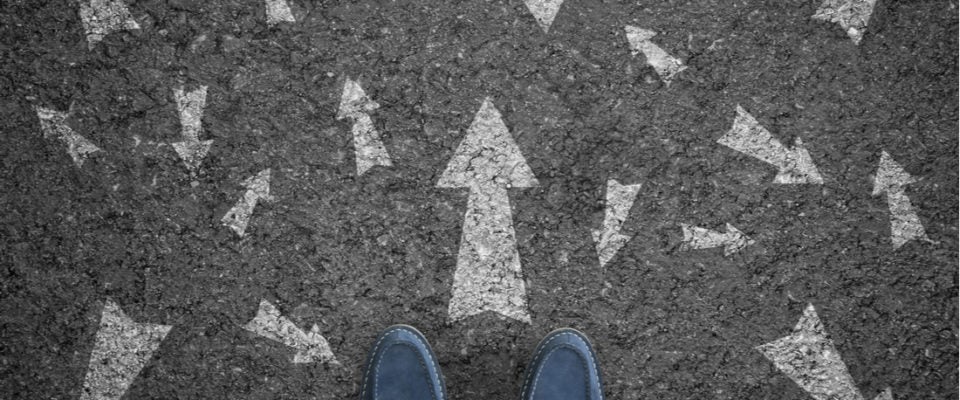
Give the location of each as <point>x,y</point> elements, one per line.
<point>890,176</point>
<point>102,17</point>
<point>736,241</point>
<point>487,155</point>
<point>799,167</point>
<point>192,153</point>
<point>354,101</point>
<point>259,184</point>
<point>544,11</point>
<point>315,348</point>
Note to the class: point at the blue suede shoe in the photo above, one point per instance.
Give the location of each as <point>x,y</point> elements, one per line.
<point>564,367</point>
<point>401,366</point>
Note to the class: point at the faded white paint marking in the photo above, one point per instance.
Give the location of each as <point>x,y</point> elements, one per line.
<point>701,238</point>
<point>852,15</point>
<point>278,11</point>
<point>904,222</point>
<point>103,17</point>
<point>811,360</point>
<point>54,124</point>
<point>544,11</point>
<point>311,346</point>
<point>488,275</point>
<point>887,394</point>
<point>258,188</point>
<point>667,66</point>
<point>122,349</point>
<point>355,104</point>
<point>190,106</point>
<point>749,137</point>
<point>608,238</point>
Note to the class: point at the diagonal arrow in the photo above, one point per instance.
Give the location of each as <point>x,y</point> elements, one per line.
<point>355,104</point>
<point>278,11</point>
<point>544,11</point>
<point>54,124</point>
<point>609,240</point>
<point>258,188</point>
<point>121,350</point>
<point>190,106</point>
<point>488,275</point>
<point>701,238</point>
<point>311,346</point>
<point>904,222</point>
<point>852,15</point>
<point>749,137</point>
<point>667,66</point>
<point>811,360</point>
<point>103,17</point>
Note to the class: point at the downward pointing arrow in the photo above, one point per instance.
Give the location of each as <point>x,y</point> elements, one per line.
<point>667,66</point>
<point>190,106</point>
<point>121,350</point>
<point>355,104</point>
<point>852,15</point>
<point>258,187</point>
<point>54,124</point>
<point>811,360</point>
<point>749,137</point>
<point>904,223</point>
<point>619,200</point>
<point>488,275</point>
<point>701,238</point>
<point>102,17</point>
<point>311,346</point>
<point>544,11</point>
<point>278,11</point>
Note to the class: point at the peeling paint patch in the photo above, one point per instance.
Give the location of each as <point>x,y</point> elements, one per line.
<point>544,11</point>
<point>54,124</point>
<point>667,66</point>
<point>733,240</point>
<point>103,17</point>
<point>608,238</point>
<point>794,166</point>
<point>356,105</point>
<point>905,224</point>
<point>311,345</point>
<point>190,107</point>
<point>852,15</point>
<point>258,188</point>
<point>278,11</point>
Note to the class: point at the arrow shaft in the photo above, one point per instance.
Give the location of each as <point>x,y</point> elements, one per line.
<point>702,238</point>
<point>190,106</point>
<point>904,222</point>
<point>368,146</point>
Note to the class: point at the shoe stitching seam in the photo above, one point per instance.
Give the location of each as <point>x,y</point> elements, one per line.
<point>366,378</point>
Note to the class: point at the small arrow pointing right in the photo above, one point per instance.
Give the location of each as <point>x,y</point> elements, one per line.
<point>609,240</point>
<point>102,17</point>
<point>904,223</point>
<point>190,106</point>
<point>121,350</point>
<point>667,66</point>
<point>369,149</point>
<point>311,346</point>
<point>749,137</point>
<point>278,11</point>
<point>852,15</point>
<point>258,187</point>
<point>54,124</point>
<point>811,360</point>
<point>701,238</point>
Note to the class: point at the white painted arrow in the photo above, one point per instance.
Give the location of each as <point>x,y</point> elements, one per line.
<point>749,137</point>
<point>190,106</point>
<point>122,349</point>
<point>852,15</point>
<point>355,104</point>
<point>904,223</point>
<point>701,238</point>
<point>544,11</point>
<point>311,346</point>
<point>278,11</point>
<point>609,240</point>
<point>667,66</point>
<point>258,188</point>
<point>54,124</point>
<point>811,360</point>
<point>488,275</point>
<point>103,17</point>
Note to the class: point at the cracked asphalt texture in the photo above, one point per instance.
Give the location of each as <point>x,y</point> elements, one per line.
<point>356,254</point>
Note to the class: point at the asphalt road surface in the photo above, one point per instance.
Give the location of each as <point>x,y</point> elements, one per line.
<point>189,187</point>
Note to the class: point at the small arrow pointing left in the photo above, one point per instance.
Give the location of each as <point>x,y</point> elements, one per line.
<point>311,346</point>
<point>102,17</point>
<point>190,107</point>
<point>54,124</point>
<point>258,188</point>
<point>749,137</point>
<point>121,350</point>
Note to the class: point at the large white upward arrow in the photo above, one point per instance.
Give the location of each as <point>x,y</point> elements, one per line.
<point>121,350</point>
<point>103,17</point>
<point>190,106</point>
<point>54,124</point>
<point>311,346</point>
<point>749,137</point>
<point>608,238</point>
<point>488,275</point>
<point>258,188</point>
<point>852,15</point>
<point>702,238</point>
<point>667,66</point>
<point>369,149</point>
<point>811,360</point>
<point>904,223</point>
